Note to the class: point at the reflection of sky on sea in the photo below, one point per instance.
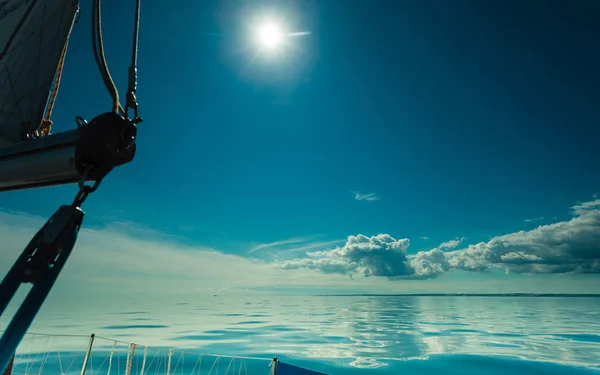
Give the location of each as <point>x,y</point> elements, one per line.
<point>345,331</point>
<point>546,329</point>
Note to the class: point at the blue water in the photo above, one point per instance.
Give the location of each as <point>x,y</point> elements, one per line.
<point>338,335</point>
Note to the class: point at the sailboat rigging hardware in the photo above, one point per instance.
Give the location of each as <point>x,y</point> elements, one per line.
<point>131,98</point>
<point>87,153</point>
<point>106,142</point>
<point>40,264</point>
<point>46,124</point>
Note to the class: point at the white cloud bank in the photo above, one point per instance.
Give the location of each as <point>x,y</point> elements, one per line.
<point>571,246</point>
<point>124,258</point>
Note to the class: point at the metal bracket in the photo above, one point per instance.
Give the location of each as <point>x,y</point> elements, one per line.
<point>40,264</point>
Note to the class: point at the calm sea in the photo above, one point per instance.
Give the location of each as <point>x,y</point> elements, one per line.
<point>338,335</point>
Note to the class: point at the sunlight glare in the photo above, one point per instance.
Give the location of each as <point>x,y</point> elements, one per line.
<point>270,35</point>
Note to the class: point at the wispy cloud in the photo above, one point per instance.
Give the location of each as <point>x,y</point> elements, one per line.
<point>289,247</point>
<point>451,244</point>
<point>424,238</point>
<point>288,241</point>
<point>365,197</point>
<point>130,259</point>
<point>585,207</point>
<point>533,220</point>
<point>299,33</point>
<point>310,246</point>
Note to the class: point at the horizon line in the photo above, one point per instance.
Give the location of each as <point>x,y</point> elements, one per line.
<point>461,295</point>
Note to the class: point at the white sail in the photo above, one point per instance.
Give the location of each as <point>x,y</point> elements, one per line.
<point>32,36</point>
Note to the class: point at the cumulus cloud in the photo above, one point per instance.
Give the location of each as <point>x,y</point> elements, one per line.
<point>571,246</point>
<point>520,258</point>
<point>427,264</point>
<point>380,255</point>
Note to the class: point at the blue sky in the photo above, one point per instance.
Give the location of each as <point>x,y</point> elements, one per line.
<point>453,119</point>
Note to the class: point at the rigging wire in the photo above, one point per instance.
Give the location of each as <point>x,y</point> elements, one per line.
<point>131,100</point>
<point>46,123</point>
<point>98,47</point>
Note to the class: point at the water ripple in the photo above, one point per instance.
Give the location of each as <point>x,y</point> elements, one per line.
<point>366,332</point>
<point>136,326</point>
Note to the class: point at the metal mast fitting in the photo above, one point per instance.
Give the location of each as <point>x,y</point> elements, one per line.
<point>102,144</point>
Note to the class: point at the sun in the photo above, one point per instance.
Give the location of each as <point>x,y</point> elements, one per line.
<point>270,35</point>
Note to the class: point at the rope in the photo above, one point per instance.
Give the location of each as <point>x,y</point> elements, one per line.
<point>144,361</point>
<point>198,361</point>
<point>57,335</point>
<point>59,364</point>
<point>130,352</point>
<point>46,124</point>
<point>216,362</point>
<point>130,99</point>
<point>232,361</point>
<point>112,351</point>
<point>72,362</point>
<point>115,342</point>
<point>45,359</point>
<point>180,360</point>
<point>158,363</point>
<point>98,46</point>
<point>169,364</point>
<point>136,29</point>
<point>29,365</point>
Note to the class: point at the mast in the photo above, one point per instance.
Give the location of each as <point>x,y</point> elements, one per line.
<point>32,37</point>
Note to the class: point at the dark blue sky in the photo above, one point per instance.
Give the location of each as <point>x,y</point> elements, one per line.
<point>465,118</point>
